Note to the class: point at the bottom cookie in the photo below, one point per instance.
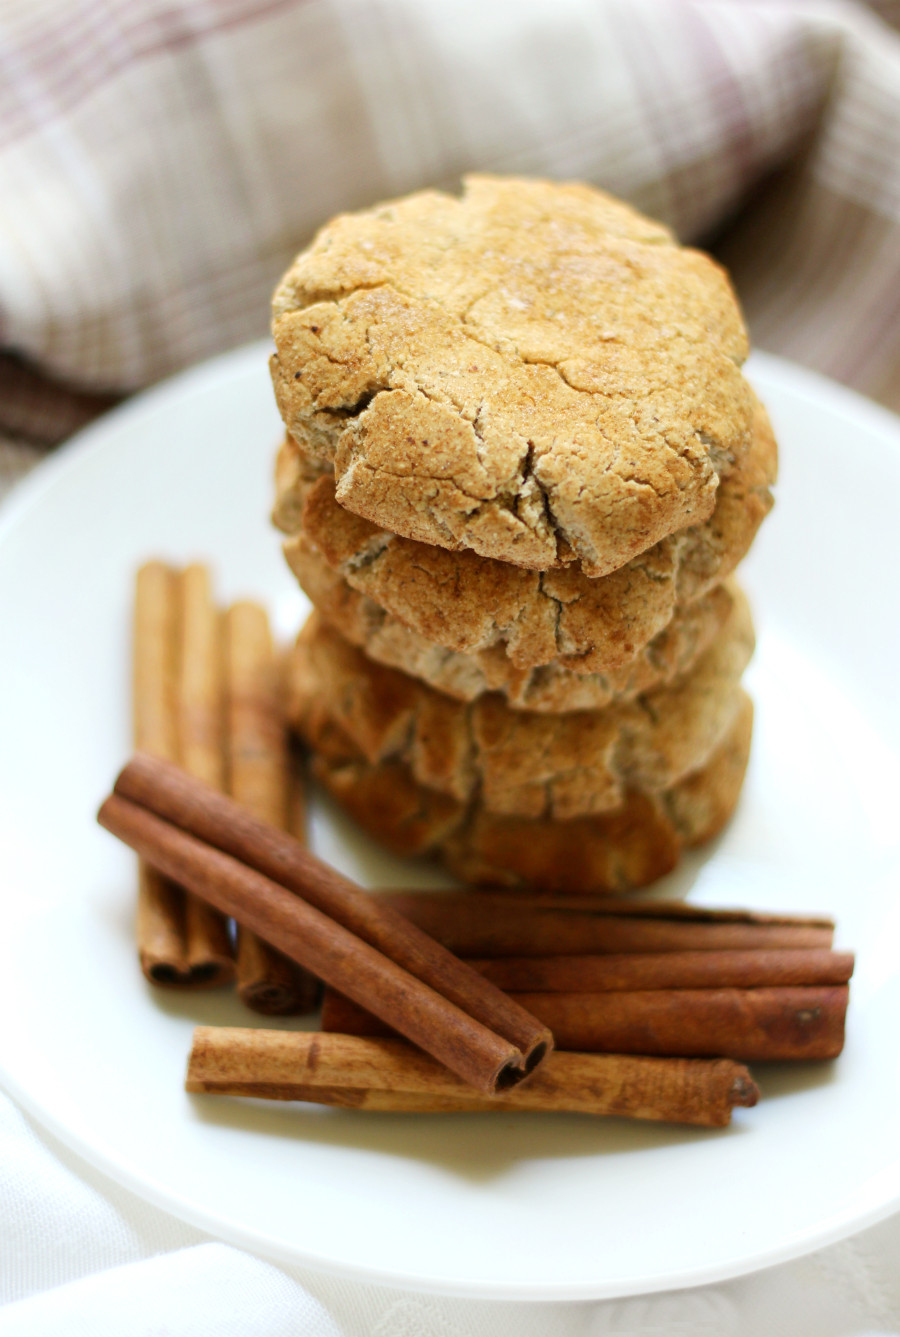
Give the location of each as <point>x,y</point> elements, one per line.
<point>615,852</point>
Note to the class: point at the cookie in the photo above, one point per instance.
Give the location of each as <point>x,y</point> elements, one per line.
<point>469,604</point>
<point>616,852</point>
<point>532,372</point>
<point>517,762</point>
<point>548,688</point>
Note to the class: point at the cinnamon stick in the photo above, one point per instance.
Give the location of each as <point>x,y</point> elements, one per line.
<point>259,777</point>
<point>482,924</point>
<point>666,970</point>
<point>201,742</point>
<point>745,1024</point>
<point>165,790</point>
<point>174,948</point>
<point>160,907</point>
<point>201,747</point>
<point>480,1056</point>
<point>600,903</point>
<point>390,1075</point>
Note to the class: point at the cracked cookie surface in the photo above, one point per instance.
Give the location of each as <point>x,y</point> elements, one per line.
<point>549,688</point>
<point>630,847</point>
<point>533,372</point>
<point>518,762</point>
<point>459,602</point>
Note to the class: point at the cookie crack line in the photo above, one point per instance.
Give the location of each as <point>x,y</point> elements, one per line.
<point>505,347</point>
<point>358,408</point>
<point>331,295</point>
<point>559,607</point>
<point>529,475</point>
<point>366,557</point>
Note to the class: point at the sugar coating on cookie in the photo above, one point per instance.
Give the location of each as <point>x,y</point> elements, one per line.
<point>533,371</point>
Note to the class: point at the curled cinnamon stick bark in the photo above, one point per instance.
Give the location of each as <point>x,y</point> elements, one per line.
<point>201,747</point>
<point>666,970</point>
<point>480,1056</point>
<point>201,742</point>
<point>745,1024</point>
<point>160,909</point>
<point>390,1075</point>
<point>259,778</point>
<point>601,903</point>
<point>482,924</point>
<point>155,660</point>
<point>177,946</point>
<point>225,825</point>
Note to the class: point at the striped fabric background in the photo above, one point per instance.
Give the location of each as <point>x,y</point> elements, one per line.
<point>162,160</point>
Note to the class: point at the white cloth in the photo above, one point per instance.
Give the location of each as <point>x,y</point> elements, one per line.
<point>82,1257</point>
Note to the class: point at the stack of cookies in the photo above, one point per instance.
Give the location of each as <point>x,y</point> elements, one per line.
<point>521,465</point>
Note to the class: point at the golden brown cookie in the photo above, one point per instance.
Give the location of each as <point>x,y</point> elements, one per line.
<point>532,371</point>
<point>548,688</point>
<point>518,762</point>
<point>470,605</point>
<point>615,852</point>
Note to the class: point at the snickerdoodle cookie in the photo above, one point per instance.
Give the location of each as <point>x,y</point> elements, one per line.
<point>638,842</point>
<point>519,763</point>
<point>547,688</point>
<point>532,371</point>
<point>475,606</point>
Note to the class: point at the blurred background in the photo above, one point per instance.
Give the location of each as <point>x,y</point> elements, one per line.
<point>162,160</point>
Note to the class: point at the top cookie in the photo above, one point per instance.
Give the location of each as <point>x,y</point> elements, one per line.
<point>533,371</point>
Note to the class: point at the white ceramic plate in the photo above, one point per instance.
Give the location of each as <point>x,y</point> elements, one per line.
<point>517,1207</point>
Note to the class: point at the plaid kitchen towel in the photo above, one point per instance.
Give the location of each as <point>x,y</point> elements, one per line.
<point>160,163</point>
<point>162,160</point>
